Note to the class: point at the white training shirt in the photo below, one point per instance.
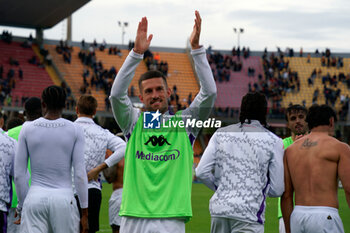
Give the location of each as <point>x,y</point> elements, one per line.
<point>7,154</point>
<point>242,164</point>
<point>97,141</point>
<point>54,147</point>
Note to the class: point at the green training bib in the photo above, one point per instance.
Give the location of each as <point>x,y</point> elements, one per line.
<point>158,172</point>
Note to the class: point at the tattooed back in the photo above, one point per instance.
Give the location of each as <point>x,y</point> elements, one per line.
<point>312,164</point>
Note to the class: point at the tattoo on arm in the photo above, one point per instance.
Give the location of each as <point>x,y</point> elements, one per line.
<point>307,143</point>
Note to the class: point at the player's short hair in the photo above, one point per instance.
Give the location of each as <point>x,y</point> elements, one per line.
<point>14,122</point>
<point>87,105</point>
<point>253,107</point>
<point>320,115</point>
<point>295,108</point>
<point>54,97</point>
<point>152,74</point>
<point>32,108</point>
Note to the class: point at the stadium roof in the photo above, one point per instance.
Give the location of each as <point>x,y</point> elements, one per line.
<point>37,13</point>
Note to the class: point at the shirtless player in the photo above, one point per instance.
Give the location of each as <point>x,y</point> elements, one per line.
<point>114,175</point>
<point>312,166</point>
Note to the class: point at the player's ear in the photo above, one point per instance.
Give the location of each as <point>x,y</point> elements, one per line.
<point>331,122</point>
<point>168,92</point>
<point>141,98</point>
<point>43,104</point>
<point>43,108</point>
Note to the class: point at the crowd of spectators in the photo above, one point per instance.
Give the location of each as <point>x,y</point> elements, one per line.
<point>222,65</point>
<point>34,60</point>
<point>237,52</point>
<point>8,79</point>
<point>7,83</point>
<point>154,62</point>
<point>6,36</point>
<point>332,62</point>
<point>27,43</point>
<point>65,50</point>
<point>176,104</point>
<point>278,79</point>
<point>330,82</point>
<point>12,72</point>
<point>114,50</point>
<point>100,77</point>
<point>327,60</point>
<point>251,72</point>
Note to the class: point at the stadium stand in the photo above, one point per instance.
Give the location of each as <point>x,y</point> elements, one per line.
<point>35,78</point>
<point>49,69</point>
<point>230,92</point>
<point>72,73</point>
<point>305,70</point>
<point>109,60</point>
<point>180,73</point>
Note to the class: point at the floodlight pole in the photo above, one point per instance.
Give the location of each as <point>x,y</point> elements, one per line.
<point>69,29</point>
<point>123,25</point>
<point>238,31</point>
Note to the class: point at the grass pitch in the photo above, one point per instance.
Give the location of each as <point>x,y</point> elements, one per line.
<point>200,223</point>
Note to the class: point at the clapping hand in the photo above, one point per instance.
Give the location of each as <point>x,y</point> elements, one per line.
<point>194,38</point>
<point>142,42</point>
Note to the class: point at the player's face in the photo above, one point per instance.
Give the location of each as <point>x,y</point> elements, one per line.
<point>155,94</point>
<point>296,122</point>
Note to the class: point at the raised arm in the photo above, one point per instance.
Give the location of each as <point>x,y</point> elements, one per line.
<point>287,197</point>
<point>343,169</point>
<point>123,110</point>
<point>201,106</point>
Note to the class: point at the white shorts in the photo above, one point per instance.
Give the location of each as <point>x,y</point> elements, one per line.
<point>49,210</point>
<point>315,219</point>
<point>114,207</point>
<point>281,227</point>
<point>152,225</point>
<point>11,227</point>
<point>229,225</point>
